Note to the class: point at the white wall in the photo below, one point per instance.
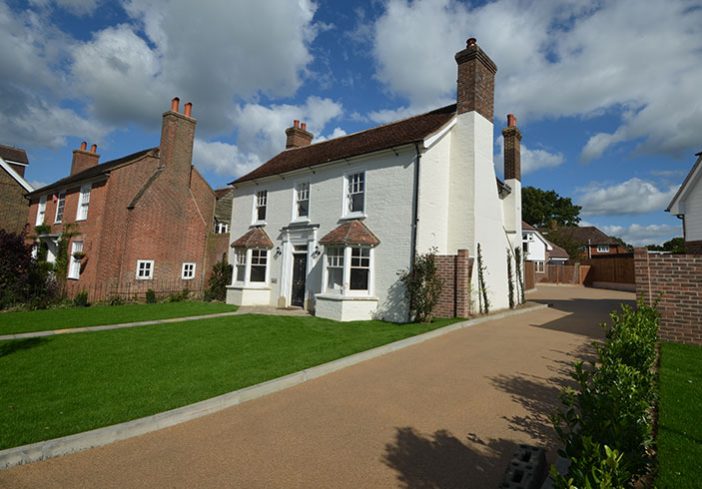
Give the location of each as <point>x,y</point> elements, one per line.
<point>693,212</point>
<point>433,212</point>
<point>537,248</point>
<point>388,204</point>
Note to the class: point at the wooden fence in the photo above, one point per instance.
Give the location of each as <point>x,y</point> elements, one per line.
<point>611,271</point>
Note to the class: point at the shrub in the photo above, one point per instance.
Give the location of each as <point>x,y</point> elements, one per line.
<point>220,278</point>
<point>116,301</point>
<point>611,406</point>
<point>179,296</point>
<point>597,467</point>
<point>150,296</point>
<point>422,286</point>
<point>81,299</point>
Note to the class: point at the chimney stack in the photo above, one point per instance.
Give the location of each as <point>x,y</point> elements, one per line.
<point>82,159</point>
<point>297,135</point>
<point>177,138</point>
<point>475,89</point>
<point>512,149</point>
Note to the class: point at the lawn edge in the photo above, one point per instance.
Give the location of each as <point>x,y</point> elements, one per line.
<point>43,450</point>
<point>108,327</point>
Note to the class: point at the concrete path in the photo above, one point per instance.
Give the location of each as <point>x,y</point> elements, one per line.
<point>446,413</point>
<point>271,311</point>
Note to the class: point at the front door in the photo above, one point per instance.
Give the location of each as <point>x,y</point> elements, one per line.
<point>297,296</point>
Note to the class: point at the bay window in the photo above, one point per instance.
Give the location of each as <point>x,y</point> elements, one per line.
<point>348,270</point>
<point>360,268</point>
<point>250,265</point>
<point>259,259</point>
<point>335,269</point>
<point>240,265</point>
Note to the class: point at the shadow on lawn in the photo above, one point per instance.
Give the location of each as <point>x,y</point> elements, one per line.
<point>443,461</point>
<point>12,346</point>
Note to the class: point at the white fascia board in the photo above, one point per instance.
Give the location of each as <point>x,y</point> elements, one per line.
<point>434,138</point>
<point>24,183</point>
<point>677,205</point>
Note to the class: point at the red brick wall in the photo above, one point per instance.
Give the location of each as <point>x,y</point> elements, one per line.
<point>673,283</point>
<point>13,205</point>
<point>693,247</point>
<point>455,273</point>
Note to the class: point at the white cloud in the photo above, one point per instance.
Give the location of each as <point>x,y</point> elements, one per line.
<point>634,196</point>
<point>532,159</point>
<point>642,235</point>
<point>558,59</point>
<point>261,134</point>
<point>76,7</point>
<point>223,158</point>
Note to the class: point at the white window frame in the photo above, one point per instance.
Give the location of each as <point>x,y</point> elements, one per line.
<point>334,258</point>
<point>148,267</point>
<point>83,202</point>
<point>73,264</point>
<point>603,248</point>
<point>346,287</point>
<point>302,189</point>
<point>41,211</point>
<point>250,261</point>
<point>348,192</point>
<point>260,200</point>
<point>61,207</point>
<point>539,266</point>
<point>221,227</point>
<point>239,261</point>
<point>190,275</point>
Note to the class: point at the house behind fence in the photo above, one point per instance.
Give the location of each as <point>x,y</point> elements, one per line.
<point>672,283</point>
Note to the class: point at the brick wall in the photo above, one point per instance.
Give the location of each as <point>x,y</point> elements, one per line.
<point>693,247</point>
<point>673,282</point>
<point>13,205</point>
<point>455,273</point>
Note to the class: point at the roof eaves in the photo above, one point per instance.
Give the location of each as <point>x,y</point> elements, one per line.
<point>686,182</point>
<point>23,183</point>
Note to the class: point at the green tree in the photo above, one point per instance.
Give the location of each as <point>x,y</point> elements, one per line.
<point>542,208</point>
<point>675,245</point>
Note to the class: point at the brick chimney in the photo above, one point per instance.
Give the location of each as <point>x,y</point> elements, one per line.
<point>298,135</point>
<point>512,149</point>
<point>177,138</point>
<point>476,81</point>
<point>84,159</point>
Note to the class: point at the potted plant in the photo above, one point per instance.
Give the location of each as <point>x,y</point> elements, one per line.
<point>78,255</point>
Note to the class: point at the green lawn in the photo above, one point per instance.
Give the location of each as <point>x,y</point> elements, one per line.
<point>76,317</point>
<point>680,417</point>
<point>59,385</point>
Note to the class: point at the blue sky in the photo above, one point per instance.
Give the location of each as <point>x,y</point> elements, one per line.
<point>606,93</point>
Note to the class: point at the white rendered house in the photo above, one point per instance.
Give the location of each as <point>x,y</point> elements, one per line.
<point>687,205</point>
<point>329,226</point>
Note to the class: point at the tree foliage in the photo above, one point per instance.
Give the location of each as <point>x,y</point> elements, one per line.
<point>542,208</point>
<point>675,245</point>
<point>23,280</point>
<point>220,278</point>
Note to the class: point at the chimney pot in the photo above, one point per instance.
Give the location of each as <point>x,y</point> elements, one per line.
<point>511,120</point>
<point>188,109</point>
<point>471,42</point>
<point>83,146</point>
<point>175,103</point>
<point>303,126</point>
<point>296,123</point>
<point>93,148</point>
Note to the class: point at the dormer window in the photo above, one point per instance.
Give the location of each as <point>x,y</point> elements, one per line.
<point>261,202</point>
<point>355,193</point>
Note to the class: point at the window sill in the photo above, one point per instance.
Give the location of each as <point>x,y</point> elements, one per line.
<point>258,224</point>
<point>353,215</point>
<point>300,220</point>
<point>143,279</point>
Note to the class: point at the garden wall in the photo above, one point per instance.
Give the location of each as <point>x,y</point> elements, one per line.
<point>673,282</point>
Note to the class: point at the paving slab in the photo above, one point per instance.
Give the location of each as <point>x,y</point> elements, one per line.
<point>446,413</point>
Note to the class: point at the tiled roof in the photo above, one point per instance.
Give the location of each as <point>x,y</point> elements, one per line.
<point>93,171</point>
<point>557,251</point>
<point>350,233</point>
<point>254,238</point>
<point>399,133</point>
<point>588,235</point>
<point>10,153</point>
<point>527,227</point>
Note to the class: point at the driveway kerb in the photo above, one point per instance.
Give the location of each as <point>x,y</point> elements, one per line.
<point>103,436</point>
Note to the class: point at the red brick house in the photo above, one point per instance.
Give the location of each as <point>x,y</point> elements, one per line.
<point>13,186</point>
<point>142,221</point>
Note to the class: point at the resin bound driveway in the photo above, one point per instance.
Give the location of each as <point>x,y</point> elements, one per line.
<point>447,413</point>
